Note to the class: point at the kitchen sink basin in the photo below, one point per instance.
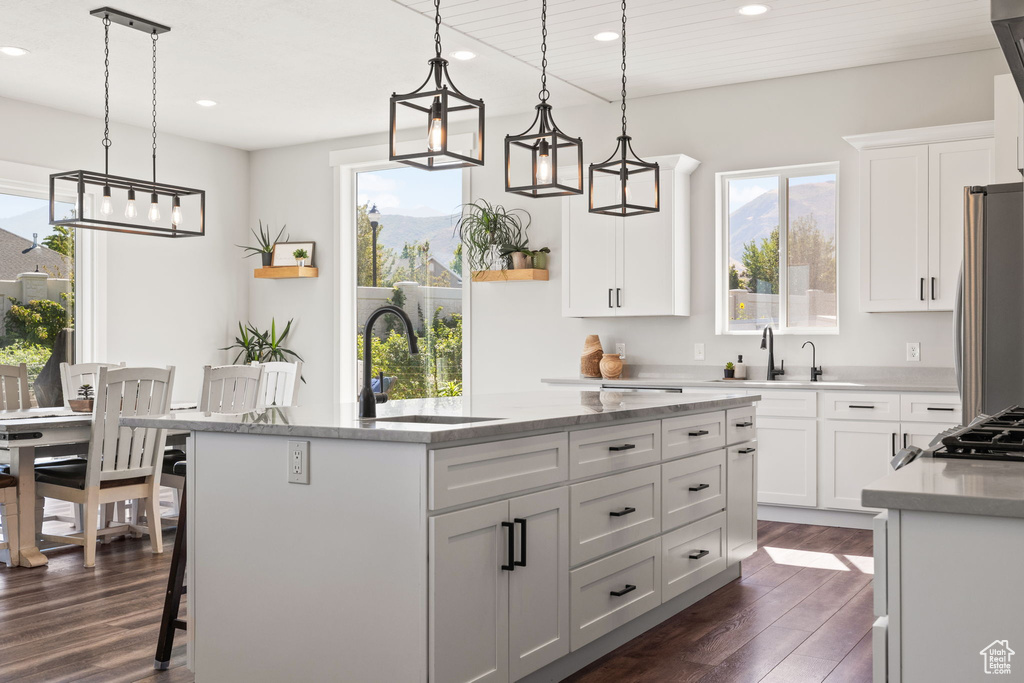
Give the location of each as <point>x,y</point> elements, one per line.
<point>433,419</point>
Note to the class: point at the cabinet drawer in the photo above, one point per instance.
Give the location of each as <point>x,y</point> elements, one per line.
<point>692,554</point>
<point>785,403</point>
<point>692,434</point>
<point>635,574</point>
<point>740,425</point>
<point>930,408</point>
<point>467,473</point>
<point>843,405</point>
<point>610,513</point>
<point>692,488</point>
<point>609,449</point>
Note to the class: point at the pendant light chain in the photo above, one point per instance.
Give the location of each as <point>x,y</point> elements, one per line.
<point>437,28</point>
<point>155,36</point>
<point>544,94</point>
<point>106,96</point>
<point>623,68</point>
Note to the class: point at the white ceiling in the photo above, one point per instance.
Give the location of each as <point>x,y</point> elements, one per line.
<point>303,70</point>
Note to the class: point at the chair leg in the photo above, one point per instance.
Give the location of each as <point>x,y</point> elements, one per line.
<point>40,502</point>
<point>172,598</point>
<point>77,507</point>
<point>106,517</point>
<point>156,537</point>
<point>92,510</point>
<point>9,521</point>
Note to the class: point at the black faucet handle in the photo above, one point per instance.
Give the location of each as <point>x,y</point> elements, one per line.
<point>816,372</point>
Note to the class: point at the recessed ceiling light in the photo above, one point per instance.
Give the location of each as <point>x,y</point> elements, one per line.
<point>206,103</point>
<point>605,36</point>
<point>753,10</point>
<point>462,55</point>
<point>13,51</point>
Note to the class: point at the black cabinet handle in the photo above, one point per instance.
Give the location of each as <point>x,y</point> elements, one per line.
<point>628,589</point>
<point>941,410</point>
<point>521,562</point>
<point>744,424</point>
<point>894,443</point>
<point>864,407</point>
<point>700,487</point>
<point>904,439</point>
<point>623,447</point>
<point>746,450</point>
<point>511,566</point>
<point>610,299</point>
<point>702,432</point>
<point>622,513</point>
<point>618,298</point>
<point>699,554</point>
<point>922,289</point>
<point>933,289</point>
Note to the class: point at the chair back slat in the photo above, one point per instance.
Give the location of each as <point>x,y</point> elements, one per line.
<point>14,387</point>
<point>281,382</point>
<point>231,389</point>
<point>74,376</point>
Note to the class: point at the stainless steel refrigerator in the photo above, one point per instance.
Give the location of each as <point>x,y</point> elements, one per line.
<point>989,313</point>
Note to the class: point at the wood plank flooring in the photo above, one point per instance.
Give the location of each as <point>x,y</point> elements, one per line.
<point>801,613</point>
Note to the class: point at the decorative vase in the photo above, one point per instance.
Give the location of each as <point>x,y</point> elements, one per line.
<point>520,260</point>
<point>590,359</point>
<point>267,257</point>
<point>80,405</point>
<point>302,263</point>
<point>730,374</point>
<point>611,366</point>
<point>540,260</point>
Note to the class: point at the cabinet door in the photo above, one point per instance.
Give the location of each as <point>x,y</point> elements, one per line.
<point>788,452</point>
<point>920,434</point>
<point>952,166</point>
<point>469,595</point>
<point>538,619</point>
<point>646,252</point>
<point>588,260</point>
<point>740,507</point>
<point>894,228</point>
<point>856,454</point>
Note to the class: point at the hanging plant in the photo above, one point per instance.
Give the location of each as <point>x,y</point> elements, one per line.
<point>488,229</point>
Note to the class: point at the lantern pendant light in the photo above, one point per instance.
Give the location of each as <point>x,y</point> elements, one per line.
<point>185,220</point>
<point>624,164</point>
<point>537,149</point>
<point>436,98</point>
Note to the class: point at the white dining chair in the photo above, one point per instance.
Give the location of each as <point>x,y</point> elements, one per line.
<point>74,376</point>
<point>123,463</point>
<point>280,382</point>
<point>14,387</point>
<point>9,519</point>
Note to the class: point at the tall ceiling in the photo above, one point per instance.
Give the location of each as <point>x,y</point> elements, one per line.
<point>287,72</point>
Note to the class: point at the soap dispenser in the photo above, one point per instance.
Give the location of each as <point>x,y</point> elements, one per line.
<point>741,369</point>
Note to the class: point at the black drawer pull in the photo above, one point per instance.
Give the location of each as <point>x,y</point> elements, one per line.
<point>700,487</point>
<point>744,424</point>
<point>623,447</point>
<point>699,554</point>
<point>863,407</point>
<point>511,566</point>
<point>746,450</point>
<point>702,432</point>
<point>622,513</point>
<point>628,589</point>
<point>521,562</point>
<point>944,410</point>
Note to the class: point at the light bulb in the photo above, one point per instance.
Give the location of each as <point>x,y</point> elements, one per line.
<point>435,133</point>
<point>543,163</point>
<point>106,206</point>
<point>176,211</point>
<point>154,209</point>
<point>624,179</point>
<point>129,209</point>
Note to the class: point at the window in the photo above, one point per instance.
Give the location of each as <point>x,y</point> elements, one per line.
<point>777,231</point>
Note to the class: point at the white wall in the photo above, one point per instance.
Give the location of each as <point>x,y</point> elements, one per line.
<point>518,334</point>
<point>167,302</point>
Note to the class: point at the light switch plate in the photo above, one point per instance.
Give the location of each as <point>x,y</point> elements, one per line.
<point>298,462</point>
<point>698,351</point>
<point>914,351</point>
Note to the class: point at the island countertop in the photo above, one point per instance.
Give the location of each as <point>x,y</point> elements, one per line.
<point>486,416</point>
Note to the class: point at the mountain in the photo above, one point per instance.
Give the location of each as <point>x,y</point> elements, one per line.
<point>756,219</point>
<point>396,230</point>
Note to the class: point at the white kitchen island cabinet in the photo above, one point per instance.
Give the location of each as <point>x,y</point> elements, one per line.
<point>450,541</point>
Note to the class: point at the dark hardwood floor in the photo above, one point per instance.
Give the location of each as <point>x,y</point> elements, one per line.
<point>800,613</point>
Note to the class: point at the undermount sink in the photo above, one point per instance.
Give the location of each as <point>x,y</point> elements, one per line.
<point>433,419</point>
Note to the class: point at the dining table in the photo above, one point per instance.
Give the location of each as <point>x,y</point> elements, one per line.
<point>33,434</point>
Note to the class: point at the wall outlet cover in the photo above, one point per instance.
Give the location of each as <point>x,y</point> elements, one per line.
<point>698,351</point>
<point>914,352</point>
<point>298,462</point>
<point>621,350</point>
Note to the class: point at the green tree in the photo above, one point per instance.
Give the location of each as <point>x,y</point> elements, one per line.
<point>734,277</point>
<point>36,322</point>
<point>456,262</point>
<point>808,246</point>
<point>762,263</point>
<point>415,266</point>
<point>61,241</point>
<point>364,253</point>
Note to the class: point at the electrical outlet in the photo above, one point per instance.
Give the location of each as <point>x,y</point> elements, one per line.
<point>621,350</point>
<point>698,352</point>
<point>914,351</point>
<point>298,462</point>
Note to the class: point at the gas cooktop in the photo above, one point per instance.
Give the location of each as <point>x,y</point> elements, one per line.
<point>999,437</point>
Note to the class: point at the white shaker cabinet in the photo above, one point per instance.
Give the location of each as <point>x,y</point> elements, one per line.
<point>636,266</point>
<point>856,453</point>
<point>788,453</point>
<point>740,505</point>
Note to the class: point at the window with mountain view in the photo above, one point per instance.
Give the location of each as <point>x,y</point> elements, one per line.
<point>408,255</point>
<point>778,230</point>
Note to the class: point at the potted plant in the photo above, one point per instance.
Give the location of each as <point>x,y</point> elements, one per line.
<point>83,404</point>
<point>264,346</point>
<point>540,258</point>
<point>730,371</point>
<point>266,245</point>
<point>300,256</point>
<point>519,253</point>
<point>487,230</point>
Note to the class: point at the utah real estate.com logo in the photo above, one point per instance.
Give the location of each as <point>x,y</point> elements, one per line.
<point>996,657</point>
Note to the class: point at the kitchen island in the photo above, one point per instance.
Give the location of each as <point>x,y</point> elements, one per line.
<point>492,538</point>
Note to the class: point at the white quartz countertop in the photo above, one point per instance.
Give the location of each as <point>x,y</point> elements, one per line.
<point>748,384</point>
<point>971,487</point>
<point>491,415</point>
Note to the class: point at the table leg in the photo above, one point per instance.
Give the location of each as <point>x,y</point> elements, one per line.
<point>23,466</point>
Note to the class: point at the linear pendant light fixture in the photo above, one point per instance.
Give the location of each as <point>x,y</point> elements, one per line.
<point>537,148</point>
<point>623,164</point>
<point>188,206</point>
<point>430,105</point>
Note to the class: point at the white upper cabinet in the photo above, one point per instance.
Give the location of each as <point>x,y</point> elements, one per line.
<point>911,212</point>
<point>637,266</point>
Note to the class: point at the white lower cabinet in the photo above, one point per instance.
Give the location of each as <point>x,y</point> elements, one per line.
<point>856,453</point>
<point>499,593</point>
<point>740,507</point>
<point>788,461</point>
<point>920,434</point>
<point>692,554</point>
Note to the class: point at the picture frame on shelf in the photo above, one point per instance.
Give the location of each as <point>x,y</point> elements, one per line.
<point>283,253</point>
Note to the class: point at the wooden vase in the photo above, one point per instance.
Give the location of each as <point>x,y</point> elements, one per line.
<point>590,359</point>
<point>611,366</point>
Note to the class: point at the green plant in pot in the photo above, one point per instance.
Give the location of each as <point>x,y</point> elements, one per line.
<point>519,253</point>
<point>263,346</point>
<point>730,371</point>
<point>540,258</point>
<point>300,257</point>
<point>84,402</point>
<point>266,245</point>
<point>488,230</point>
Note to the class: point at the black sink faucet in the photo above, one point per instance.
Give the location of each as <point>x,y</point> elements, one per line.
<point>816,371</point>
<point>768,342</point>
<point>368,399</point>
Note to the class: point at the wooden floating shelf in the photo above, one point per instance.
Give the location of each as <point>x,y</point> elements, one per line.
<point>505,275</point>
<point>281,272</point>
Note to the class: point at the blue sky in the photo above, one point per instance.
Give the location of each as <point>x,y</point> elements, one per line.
<point>744,190</point>
<point>25,215</point>
<point>408,191</point>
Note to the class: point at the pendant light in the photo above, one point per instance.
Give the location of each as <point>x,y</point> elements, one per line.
<point>624,164</point>
<point>189,214</point>
<point>538,147</point>
<point>429,106</point>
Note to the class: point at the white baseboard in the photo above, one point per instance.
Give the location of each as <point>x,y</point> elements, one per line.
<point>841,518</point>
